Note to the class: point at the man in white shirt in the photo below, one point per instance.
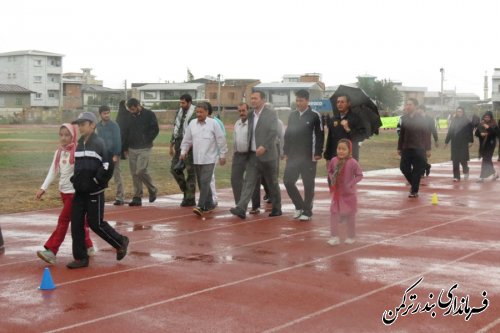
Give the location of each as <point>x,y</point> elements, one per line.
<point>208,142</point>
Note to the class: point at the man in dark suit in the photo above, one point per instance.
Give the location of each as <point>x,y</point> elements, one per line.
<point>262,132</point>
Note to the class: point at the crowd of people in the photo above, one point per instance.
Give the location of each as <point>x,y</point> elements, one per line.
<point>260,141</point>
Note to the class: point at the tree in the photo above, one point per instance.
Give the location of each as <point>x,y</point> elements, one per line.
<point>386,96</point>
<point>190,76</point>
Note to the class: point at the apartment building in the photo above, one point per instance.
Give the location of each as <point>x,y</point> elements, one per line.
<point>37,71</point>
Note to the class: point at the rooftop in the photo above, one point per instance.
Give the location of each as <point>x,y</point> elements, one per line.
<point>14,88</point>
<point>31,52</point>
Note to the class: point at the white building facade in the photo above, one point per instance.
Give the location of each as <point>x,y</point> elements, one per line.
<point>37,71</point>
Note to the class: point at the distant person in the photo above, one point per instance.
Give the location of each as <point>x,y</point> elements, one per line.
<point>139,136</point>
<point>187,183</point>
<point>414,145</point>
<point>122,119</point>
<point>208,143</point>
<point>344,173</point>
<point>93,170</point>
<point>487,132</point>
<point>63,165</point>
<point>461,138</point>
<point>498,142</point>
<point>432,131</point>
<point>263,127</point>
<point>109,131</point>
<point>303,147</point>
<point>345,125</point>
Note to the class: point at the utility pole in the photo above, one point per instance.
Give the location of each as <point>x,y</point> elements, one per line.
<point>442,91</point>
<point>218,95</point>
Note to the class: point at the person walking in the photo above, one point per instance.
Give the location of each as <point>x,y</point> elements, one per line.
<point>187,183</point>
<point>109,131</point>
<point>460,135</point>
<point>139,135</point>
<point>93,170</point>
<point>414,145</point>
<point>303,147</point>
<point>344,173</point>
<point>263,129</point>
<point>63,165</point>
<point>345,125</point>
<point>487,132</point>
<point>432,132</point>
<point>207,141</point>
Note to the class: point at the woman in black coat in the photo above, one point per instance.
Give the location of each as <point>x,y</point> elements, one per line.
<point>487,132</point>
<point>460,135</point>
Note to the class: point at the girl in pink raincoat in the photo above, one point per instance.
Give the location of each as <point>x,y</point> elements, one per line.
<point>344,172</point>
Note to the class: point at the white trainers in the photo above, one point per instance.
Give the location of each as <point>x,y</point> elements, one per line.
<point>91,251</point>
<point>350,240</point>
<point>334,241</point>
<point>466,176</point>
<point>297,213</point>
<point>304,217</point>
<point>47,256</point>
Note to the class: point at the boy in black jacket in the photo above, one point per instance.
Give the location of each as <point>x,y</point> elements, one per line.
<point>92,172</point>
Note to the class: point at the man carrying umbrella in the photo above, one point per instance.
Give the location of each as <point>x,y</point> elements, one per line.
<point>344,125</point>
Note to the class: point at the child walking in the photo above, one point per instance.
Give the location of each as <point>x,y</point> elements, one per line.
<point>62,165</point>
<point>344,173</point>
<point>93,170</point>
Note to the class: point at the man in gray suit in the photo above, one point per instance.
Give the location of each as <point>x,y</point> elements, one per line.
<point>262,132</point>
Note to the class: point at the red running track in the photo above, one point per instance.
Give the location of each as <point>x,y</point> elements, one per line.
<point>271,274</point>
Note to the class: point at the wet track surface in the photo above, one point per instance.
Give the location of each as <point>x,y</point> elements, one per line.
<point>224,274</point>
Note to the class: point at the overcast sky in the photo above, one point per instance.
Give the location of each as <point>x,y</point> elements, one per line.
<point>155,41</point>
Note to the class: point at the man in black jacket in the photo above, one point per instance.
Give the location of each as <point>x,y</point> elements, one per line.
<point>345,125</point>
<point>302,148</point>
<point>138,139</point>
<point>93,170</point>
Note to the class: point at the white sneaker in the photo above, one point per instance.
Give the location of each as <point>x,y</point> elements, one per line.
<point>47,256</point>
<point>91,251</point>
<point>350,240</point>
<point>304,217</point>
<point>334,241</point>
<point>297,213</point>
<point>466,176</point>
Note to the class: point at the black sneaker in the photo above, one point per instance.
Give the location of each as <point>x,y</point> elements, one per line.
<point>275,213</point>
<point>238,212</point>
<point>188,203</point>
<point>135,202</point>
<point>254,211</point>
<point>78,264</point>
<point>428,170</point>
<point>152,197</point>
<point>122,251</point>
<point>198,211</point>
<point>118,203</point>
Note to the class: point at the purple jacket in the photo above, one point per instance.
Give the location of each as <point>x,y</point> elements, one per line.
<point>346,202</point>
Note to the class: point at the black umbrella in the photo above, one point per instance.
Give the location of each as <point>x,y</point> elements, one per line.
<point>362,105</point>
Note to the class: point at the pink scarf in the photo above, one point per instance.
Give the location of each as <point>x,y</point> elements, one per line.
<point>69,148</point>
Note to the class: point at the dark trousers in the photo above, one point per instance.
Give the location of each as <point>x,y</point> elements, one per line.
<point>265,185</point>
<point>487,168</point>
<point>412,166</point>
<point>204,174</point>
<point>254,171</point>
<point>306,169</point>
<point>93,207</point>
<point>237,174</point>
<point>186,184</point>
<point>456,168</point>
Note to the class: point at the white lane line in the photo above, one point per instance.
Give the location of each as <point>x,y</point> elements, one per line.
<point>370,293</point>
<point>259,276</point>
<point>489,326</point>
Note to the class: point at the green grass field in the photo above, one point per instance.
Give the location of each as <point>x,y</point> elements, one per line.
<point>26,152</point>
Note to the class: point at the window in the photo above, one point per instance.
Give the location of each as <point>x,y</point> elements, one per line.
<point>52,95</point>
<point>38,62</point>
<point>212,95</point>
<point>9,76</point>
<point>37,79</point>
<point>19,101</point>
<point>13,75</point>
<point>150,95</point>
<point>38,96</point>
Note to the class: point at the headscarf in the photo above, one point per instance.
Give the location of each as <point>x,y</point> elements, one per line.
<point>491,122</point>
<point>338,173</point>
<point>69,148</point>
